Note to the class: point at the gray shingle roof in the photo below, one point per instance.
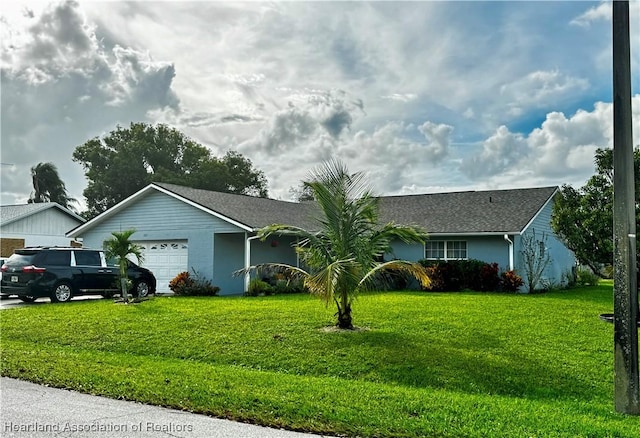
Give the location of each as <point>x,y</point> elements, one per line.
<point>494,211</point>
<point>248,210</point>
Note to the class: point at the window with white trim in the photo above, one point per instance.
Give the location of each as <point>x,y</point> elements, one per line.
<point>445,250</point>
<point>434,250</point>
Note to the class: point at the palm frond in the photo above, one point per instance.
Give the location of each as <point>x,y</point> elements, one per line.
<point>292,272</point>
<point>335,279</point>
<point>401,266</point>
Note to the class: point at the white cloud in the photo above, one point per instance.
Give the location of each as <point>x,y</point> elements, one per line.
<point>421,95</point>
<point>561,149</point>
<point>61,87</point>
<point>500,153</point>
<point>539,89</point>
<point>595,13</point>
<point>401,97</point>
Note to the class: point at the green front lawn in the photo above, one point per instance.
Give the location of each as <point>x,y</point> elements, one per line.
<point>427,364</point>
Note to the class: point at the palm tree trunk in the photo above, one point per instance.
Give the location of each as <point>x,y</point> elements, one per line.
<point>123,281</point>
<point>123,286</point>
<point>344,312</point>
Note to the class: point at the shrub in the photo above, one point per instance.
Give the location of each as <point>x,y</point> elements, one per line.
<point>258,287</point>
<point>445,276</point>
<point>184,284</point>
<point>456,275</point>
<point>180,282</point>
<point>569,278</point>
<point>392,281</point>
<point>489,279</point>
<point>510,281</point>
<point>585,277</point>
<point>273,282</point>
<point>470,273</point>
<point>288,286</point>
<point>435,273</point>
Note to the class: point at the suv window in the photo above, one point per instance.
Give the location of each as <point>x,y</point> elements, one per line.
<point>87,258</point>
<point>55,258</point>
<point>20,259</point>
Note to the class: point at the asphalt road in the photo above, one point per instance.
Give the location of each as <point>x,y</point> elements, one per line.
<point>28,410</point>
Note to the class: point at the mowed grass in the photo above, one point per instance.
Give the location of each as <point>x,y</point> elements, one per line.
<point>426,364</point>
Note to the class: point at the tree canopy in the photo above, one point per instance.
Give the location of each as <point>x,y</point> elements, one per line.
<point>128,159</point>
<point>583,217</point>
<point>48,187</point>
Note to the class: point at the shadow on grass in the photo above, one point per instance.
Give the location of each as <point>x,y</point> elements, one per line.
<point>595,294</point>
<point>488,368</point>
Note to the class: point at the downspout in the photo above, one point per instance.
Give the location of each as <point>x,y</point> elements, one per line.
<point>506,237</point>
<point>247,260</point>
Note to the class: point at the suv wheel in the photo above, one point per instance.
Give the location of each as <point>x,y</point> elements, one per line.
<point>141,289</point>
<point>62,293</point>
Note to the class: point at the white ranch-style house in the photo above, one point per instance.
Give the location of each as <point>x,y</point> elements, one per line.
<point>213,233</point>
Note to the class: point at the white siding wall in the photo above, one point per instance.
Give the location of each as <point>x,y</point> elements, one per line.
<point>47,227</point>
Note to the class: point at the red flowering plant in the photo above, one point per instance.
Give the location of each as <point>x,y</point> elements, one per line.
<point>186,285</point>
<point>510,281</point>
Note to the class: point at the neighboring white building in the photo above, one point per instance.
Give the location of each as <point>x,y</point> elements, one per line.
<point>38,224</point>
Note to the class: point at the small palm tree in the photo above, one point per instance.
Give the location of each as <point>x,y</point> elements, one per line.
<point>48,187</point>
<point>119,246</point>
<point>343,257</point>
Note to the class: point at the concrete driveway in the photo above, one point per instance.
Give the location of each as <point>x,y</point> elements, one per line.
<point>30,410</point>
<point>11,302</point>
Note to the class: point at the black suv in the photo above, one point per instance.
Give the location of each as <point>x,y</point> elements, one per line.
<point>60,273</point>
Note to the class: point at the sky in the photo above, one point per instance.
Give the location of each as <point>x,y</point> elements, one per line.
<point>423,97</point>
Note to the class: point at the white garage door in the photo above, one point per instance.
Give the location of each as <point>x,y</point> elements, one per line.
<point>165,259</point>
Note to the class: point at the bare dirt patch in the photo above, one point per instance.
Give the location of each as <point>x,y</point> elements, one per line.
<point>336,329</point>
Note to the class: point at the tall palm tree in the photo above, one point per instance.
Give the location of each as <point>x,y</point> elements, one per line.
<point>343,257</point>
<point>48,187</point>
<point>119,246</point>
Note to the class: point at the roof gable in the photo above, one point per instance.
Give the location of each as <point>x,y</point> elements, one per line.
<point>14,213</point>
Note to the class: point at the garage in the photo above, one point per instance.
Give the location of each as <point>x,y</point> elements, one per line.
<point>165,259</point>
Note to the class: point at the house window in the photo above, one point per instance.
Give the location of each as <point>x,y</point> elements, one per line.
<point>456,250</point>
<point>434,250</point>
<point>446,250</point>
<point>542,248</point>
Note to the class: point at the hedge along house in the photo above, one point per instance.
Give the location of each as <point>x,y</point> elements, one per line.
<point>214,234</point>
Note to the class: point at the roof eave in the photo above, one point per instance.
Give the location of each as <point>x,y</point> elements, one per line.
<point>472,234</point>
